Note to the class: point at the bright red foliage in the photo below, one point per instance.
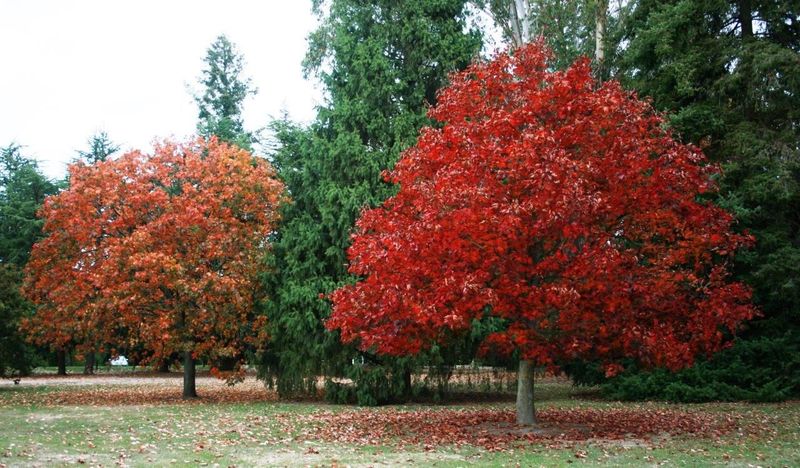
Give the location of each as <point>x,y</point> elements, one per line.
<point>157,252</point>
<point>562,207</point>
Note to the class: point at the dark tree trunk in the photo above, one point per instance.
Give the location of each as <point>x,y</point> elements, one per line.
<point>88,363</point>
<point>526,411</point>
<point>163,366</point>
<point>189,388</point>
<point>407,384</point>
<point>61,360</point>
<point>746,18</point>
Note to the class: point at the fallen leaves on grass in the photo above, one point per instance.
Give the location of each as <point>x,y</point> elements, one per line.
<point>425,428</point>
<point>495,429</point>
<point>150,394</point>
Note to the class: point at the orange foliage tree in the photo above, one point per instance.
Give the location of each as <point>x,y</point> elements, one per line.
<point>156,252</point>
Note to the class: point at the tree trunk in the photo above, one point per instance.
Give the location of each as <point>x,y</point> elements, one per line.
<point>189,389</point>
<point>519,17</point>
<point>61,360</point>
<point>407,384</point>
<point>600,23</point>
<point>163,366</point>
<point>88,363</point>
<point>526,411</point>
<point>746,18</point>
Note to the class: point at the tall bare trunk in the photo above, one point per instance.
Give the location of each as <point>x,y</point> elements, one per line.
<point>600,25</point>
<point>526,411</point>
<point>519,17</point>
<point>61,361</point>
<point>189,374</point>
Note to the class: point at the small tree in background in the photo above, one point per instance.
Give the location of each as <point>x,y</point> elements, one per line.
<point>561,208</point>
<point>100,148</point>
<point>159,252</point>
<point>224,92</point>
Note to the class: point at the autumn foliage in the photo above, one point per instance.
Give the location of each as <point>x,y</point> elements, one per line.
<point>157,253</point>
<point>563,208</point>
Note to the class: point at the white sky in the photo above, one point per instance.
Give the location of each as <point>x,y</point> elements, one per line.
<point>73,68</point>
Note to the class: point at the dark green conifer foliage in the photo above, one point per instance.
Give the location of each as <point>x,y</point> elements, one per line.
<point>23,189</point>
<point>100,149</point>
<point>728,75</point>
<point>381,63</point>
<point>224,93</point>
<point>15,355</point>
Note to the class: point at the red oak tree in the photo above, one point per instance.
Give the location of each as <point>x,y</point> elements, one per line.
<point>157,252</point>
<point>562,207</point>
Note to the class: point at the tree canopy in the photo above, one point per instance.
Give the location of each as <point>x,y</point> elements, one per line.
<point>159,251</point>
<point>562,208</point>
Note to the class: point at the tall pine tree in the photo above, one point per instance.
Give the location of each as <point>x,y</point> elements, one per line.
<point>224,92</point>
<point>381,63</point>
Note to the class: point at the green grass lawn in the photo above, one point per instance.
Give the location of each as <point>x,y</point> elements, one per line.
<point>71,423</point>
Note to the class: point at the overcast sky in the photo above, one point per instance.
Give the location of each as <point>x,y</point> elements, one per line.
<point>73,68</point>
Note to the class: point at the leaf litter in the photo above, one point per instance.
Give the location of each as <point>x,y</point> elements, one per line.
<point>495,429</point>
<point>426,428</point>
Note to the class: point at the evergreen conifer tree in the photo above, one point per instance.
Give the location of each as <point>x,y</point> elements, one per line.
<point>100,148</point>
<point>23,189</point>
<point>224,93</point>
<point>381,63</point>
<point>728,75</point>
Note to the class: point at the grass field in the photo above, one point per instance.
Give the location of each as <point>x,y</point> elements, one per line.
<point>137,419</point>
